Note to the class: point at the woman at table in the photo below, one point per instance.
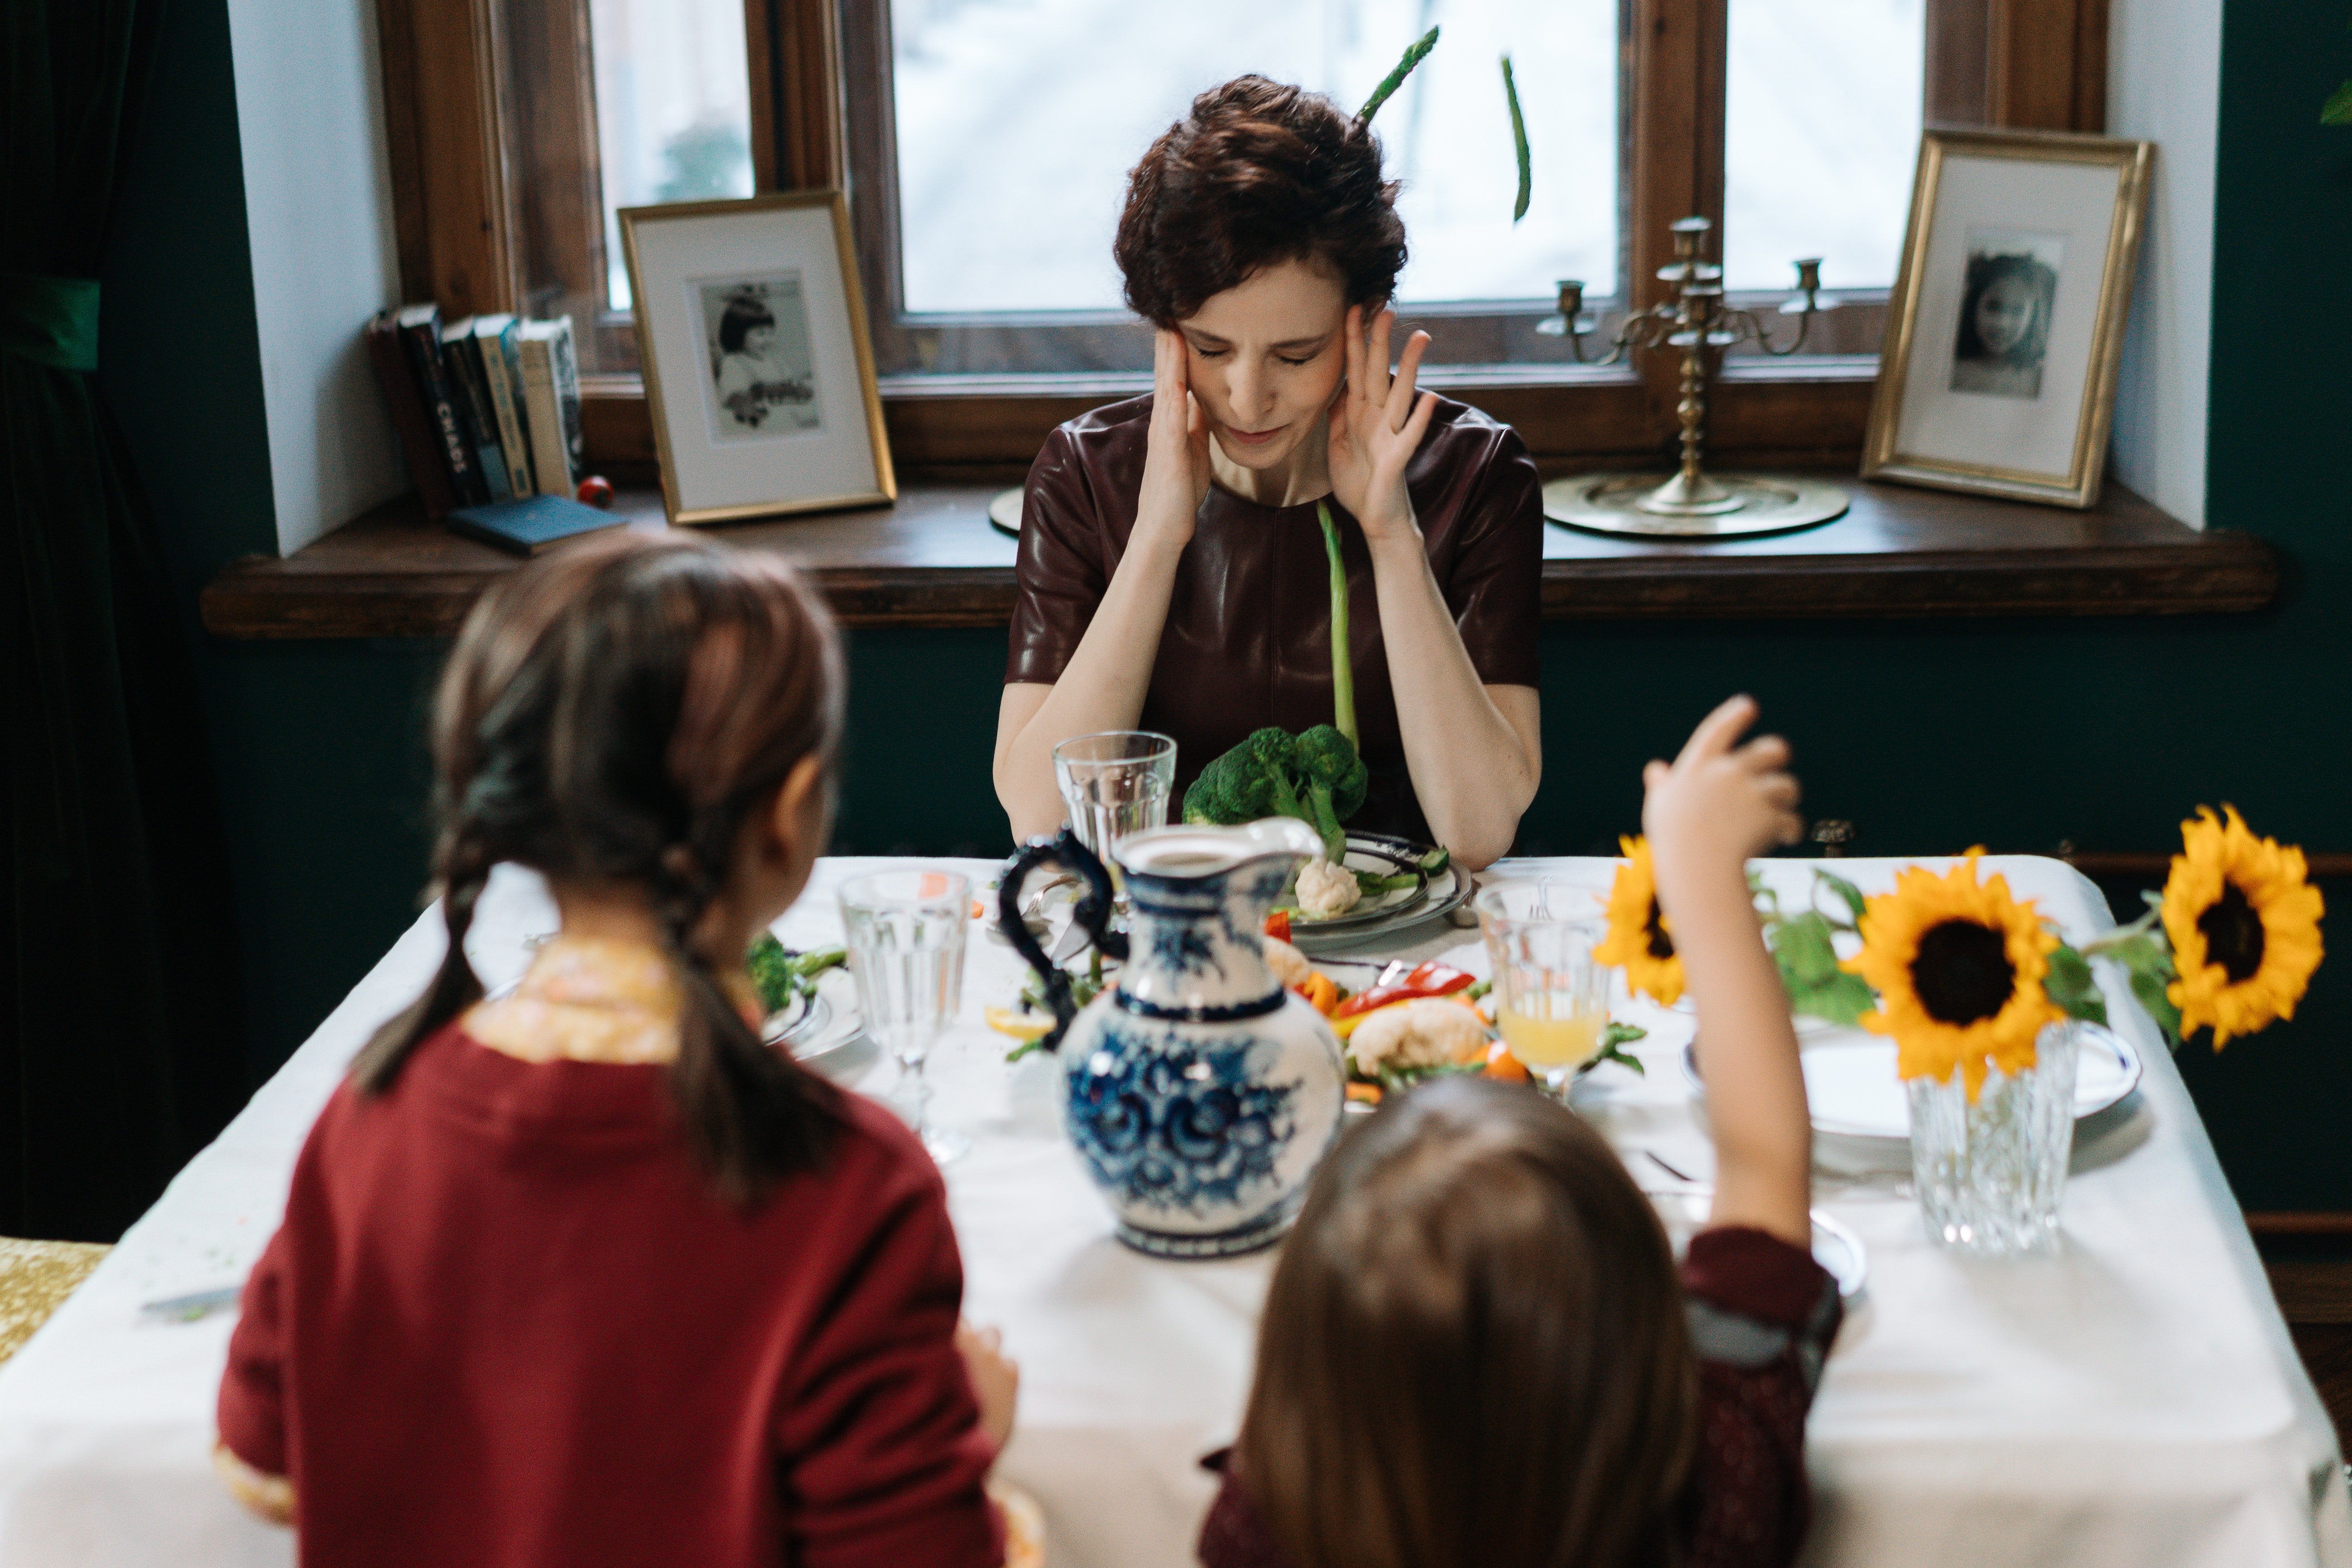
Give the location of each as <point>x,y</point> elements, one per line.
<point>1173,569</point>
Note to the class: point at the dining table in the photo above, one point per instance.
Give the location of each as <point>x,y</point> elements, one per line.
<point>2130,1398</point>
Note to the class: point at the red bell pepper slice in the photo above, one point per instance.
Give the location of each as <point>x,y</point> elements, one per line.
<point>1277,925</point>
<point>1430,979</point>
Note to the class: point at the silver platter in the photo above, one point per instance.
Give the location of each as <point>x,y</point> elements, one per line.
<point>1769,503</point>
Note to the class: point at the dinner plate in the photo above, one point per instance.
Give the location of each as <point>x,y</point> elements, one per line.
<point>1852,1088</point>
<point>1381,853</point>
<point>1837,1249</point>
<point>825,1022</point>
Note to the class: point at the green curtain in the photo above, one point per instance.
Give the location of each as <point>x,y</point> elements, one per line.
<point>118,1049</point>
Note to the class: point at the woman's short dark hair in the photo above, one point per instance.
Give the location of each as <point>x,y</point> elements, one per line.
<point>1473,1350</point>
<point>741,315</point>
<point>614,713</point>
<point>1259,174</point>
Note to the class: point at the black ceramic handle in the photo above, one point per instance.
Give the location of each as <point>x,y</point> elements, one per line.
<point>1093,913</point>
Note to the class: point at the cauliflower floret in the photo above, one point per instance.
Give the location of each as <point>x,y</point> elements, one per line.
<point>1324,890</point>
<point>1423,1033</point>
<point>1289,965</point>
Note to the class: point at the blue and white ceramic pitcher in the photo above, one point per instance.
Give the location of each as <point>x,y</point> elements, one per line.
<point>1201,1094</point>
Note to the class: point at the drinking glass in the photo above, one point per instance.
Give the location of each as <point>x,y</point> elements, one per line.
<point>1990,1173</point>
<point>1115,784</point>
<point>905,932</point>
<point>1551,1000</point>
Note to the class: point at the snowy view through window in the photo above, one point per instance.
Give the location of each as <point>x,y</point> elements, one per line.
<point>673,110</point>
<point>1018,122</point>
<point>1820,135</point>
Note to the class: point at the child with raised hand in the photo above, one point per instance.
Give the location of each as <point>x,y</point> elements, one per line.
<point>1476,1351</point>
<point>585,1273</point>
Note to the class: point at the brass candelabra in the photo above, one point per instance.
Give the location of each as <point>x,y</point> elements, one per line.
<point>1698,321</point>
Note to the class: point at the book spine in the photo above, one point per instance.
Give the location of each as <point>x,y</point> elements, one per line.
<point>510,352</point>
<point>565,364</point>
<point>489,344</point>
<point>473,401</point>
<point>423,340</point>
<point>548,460</point>
<point>426,470</point>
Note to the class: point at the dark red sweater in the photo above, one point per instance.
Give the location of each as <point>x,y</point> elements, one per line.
<point>1762,1314</point>
<point>506,1321</point>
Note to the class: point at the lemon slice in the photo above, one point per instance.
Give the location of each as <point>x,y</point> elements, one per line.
<point>1020,1026</point>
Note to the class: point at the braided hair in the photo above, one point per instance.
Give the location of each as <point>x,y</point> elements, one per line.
<point>616,713</point>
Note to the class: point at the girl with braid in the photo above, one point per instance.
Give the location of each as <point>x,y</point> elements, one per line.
<point>586,1274</point>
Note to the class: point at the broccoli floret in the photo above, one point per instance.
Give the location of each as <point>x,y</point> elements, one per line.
<point>779,975</point>
<point>1335,779</point>
<point>1251,781</point>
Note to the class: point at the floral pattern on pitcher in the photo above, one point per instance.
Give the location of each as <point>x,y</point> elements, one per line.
<point>1177,1123</point>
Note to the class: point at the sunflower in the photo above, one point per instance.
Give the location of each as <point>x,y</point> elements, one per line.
<point>1957,966</point>
<point>2244,927</point>
<point>1641,938</point>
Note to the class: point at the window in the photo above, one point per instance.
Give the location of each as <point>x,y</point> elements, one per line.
<point>986,145</point>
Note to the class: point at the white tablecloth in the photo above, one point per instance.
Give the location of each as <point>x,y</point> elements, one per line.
<point>2134,1401</point>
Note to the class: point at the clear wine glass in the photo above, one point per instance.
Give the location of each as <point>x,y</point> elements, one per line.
<point>905,931</point>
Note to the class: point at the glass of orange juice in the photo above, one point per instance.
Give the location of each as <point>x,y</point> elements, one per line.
<point>1551,1000</point>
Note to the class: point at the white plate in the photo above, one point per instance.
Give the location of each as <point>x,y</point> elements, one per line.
<point>1851,1087</point>
<point>1835,1249</point>
<point>1438,895</point>
<point>827,1025</point>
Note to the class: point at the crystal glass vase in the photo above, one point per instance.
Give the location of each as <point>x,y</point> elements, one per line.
<point>1990,1175</point>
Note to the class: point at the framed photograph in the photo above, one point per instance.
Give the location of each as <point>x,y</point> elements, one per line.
<point>758,373</point>
<point>2007,319</point>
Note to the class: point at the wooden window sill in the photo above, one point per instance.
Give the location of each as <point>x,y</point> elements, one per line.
<point>934,560</point>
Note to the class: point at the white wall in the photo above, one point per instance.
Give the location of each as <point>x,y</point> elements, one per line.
<point>2164,85</point>
<point>318,203</point>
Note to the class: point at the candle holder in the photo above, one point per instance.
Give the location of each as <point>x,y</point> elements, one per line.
<point>1691,502</point>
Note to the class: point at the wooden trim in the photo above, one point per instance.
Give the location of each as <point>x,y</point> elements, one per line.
<point>559,239</point>
<point>1675,167</point>
<point>2300,1221</point>
<point>451,213</point>
<point>2156,865</point>
<point>935,561</point>
<point>795,50</point>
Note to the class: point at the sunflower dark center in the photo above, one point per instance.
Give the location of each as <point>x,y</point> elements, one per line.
<point>1962,974</point>
<point>1661,944</point>
<point>2233,934</point>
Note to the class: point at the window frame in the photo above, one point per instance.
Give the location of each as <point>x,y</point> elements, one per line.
<point>2012,64</point>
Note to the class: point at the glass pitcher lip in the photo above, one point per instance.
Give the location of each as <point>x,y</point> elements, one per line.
<point>1214,851</point>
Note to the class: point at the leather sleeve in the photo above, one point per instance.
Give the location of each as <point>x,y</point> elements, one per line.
<point>1062,573</point>
<point>1495,585</point>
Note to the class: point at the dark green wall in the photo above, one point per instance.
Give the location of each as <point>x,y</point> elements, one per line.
<point>2018,734</point>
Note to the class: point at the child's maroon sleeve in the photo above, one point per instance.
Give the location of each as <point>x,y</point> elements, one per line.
<point>885,1458</point>
<point>252,1410</point>
<point>1762,1314</point>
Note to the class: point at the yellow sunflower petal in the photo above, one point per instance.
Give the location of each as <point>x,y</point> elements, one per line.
<point>1637,928</point>
<point>1926,1045</point>
<point>2220,854</point>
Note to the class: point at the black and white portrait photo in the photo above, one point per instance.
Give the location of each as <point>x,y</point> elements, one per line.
<point>763,377</point>
<point>2005,335</point>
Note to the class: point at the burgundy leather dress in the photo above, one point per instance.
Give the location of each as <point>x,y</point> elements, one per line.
<point>1248,639</point>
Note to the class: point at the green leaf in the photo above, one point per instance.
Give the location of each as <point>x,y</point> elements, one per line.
<point>1395,79</point>
<point>1617,1034</point>
<point>1845,891</point>
<point>1518,143</point>
<point>2150,989</point>
<point>1803,948</point>
<point>2338,107</point>
<point>1610,1051</point>
<point>2070,986</point>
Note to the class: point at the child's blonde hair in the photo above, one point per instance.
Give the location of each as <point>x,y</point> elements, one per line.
<point>1473,1350</point>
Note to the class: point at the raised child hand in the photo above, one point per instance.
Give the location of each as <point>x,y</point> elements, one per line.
<point>1176,450</point>
<point>1377,425</point>
<point>1720,803</point>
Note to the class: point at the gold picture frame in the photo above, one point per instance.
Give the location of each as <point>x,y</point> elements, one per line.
<point>793,425</point>
<point>2005,324</point>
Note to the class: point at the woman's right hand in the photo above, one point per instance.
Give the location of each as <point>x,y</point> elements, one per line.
<point>1176,450</point>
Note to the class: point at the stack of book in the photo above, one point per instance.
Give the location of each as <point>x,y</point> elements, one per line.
<point>488,407</point>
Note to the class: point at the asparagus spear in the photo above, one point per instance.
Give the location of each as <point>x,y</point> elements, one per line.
<point>1395,79</point>
<point>1343,670</point>
<point>1518,143</point>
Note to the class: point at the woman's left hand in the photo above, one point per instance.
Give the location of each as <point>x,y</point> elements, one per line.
<point>1377,425</point>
